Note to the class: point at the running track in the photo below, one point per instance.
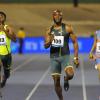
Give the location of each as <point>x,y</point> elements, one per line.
<point>30,80</point>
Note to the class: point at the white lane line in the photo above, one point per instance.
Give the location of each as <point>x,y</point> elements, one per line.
<point>37,85</point>
<point>83,80</point>
<point>22,64</point>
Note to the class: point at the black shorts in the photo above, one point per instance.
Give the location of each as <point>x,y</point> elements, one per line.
<point>6,61</point>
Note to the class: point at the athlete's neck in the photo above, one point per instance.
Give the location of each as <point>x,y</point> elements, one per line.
<point>57,25</point>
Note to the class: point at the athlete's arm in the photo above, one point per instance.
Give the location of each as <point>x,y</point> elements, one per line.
<point>10,33</point>
<point>74,39</point>
<point>94,44</point>
<point>91,56</point>
<point>48,39</point>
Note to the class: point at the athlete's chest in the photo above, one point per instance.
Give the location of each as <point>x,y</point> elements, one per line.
<point>59,37</point>
<point>58,32</point>
<point>2,38</point>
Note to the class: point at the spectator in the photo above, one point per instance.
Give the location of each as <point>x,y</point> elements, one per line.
<point>21,36</point>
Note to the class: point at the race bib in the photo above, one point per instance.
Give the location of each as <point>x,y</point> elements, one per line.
<point>58,41</point>
<point>2,40</point>
<point>98,47</point>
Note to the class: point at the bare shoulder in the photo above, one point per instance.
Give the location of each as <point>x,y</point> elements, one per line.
<point>48,30</point>
<point>69,28</point>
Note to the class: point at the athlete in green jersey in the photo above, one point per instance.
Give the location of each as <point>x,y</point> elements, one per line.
<point>60,53</point>
<point>6,35</point>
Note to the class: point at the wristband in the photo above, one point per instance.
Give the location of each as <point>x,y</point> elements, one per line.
<point>75,58</point>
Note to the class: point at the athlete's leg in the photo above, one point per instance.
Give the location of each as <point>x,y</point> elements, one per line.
<point>0,69</point>
<point>69,75</point>
<point>69,71</point>
<point>97,66</point>
<point>6,64</point>
<point>57,86</point>
<point>56,73</point>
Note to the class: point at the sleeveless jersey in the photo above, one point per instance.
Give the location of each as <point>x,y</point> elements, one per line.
<point>4,43</point>
<point>59,46</point>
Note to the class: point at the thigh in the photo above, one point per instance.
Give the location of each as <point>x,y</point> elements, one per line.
<point>55,67</point>
<point>7,60</point>
<point>65,61</point>
<point>67,66</point>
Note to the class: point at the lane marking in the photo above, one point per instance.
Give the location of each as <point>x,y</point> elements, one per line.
<point>37,85</point>
<point>22,64</point>
<point>83,80</point>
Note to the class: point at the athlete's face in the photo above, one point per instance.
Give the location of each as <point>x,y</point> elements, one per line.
<point>57,17</point>
<point>2,18</point>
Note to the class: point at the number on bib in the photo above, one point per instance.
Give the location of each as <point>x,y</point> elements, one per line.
<point>98,47</point>
<point>58,41</point>
<point>2,40</point>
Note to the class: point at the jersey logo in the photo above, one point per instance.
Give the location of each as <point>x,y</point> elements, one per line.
<point>60,33</point>
<point>52,32</point>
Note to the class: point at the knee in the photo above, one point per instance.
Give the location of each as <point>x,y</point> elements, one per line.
<point>69,70</point>
<point>7,73</point>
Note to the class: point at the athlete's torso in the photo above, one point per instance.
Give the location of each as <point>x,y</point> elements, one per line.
<point>4,43</point>
<point>59,45</point>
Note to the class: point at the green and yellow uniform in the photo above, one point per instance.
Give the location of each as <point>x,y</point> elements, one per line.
<point>5,52</point>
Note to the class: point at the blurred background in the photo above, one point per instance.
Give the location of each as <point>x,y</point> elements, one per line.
<point>35,16</point>
<point>30,19</point>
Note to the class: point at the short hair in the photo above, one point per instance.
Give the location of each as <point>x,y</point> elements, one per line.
<point>3,14</point>
<point>57,11</point>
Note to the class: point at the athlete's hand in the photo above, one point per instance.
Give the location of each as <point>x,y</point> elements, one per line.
<point>48,39</point>
<point>4,28</point>
<point>76,62</point>
<point>91,56</point>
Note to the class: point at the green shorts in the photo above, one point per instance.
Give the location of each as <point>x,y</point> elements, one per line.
<point>59,63</point>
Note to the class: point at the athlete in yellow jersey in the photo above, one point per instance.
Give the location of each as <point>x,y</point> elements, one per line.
<point>6,35</point>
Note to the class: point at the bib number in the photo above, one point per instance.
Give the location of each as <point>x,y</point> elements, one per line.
<point>2,40</point>
<point>58,41</point>
<point>98,47</point>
